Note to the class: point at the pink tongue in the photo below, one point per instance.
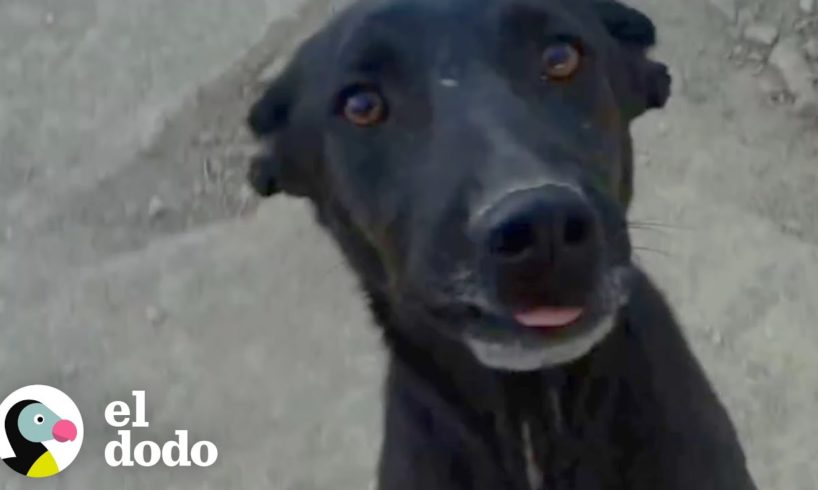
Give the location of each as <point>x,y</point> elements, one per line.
<point>546,317</point>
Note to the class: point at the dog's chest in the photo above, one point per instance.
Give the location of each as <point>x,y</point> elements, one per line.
<point>534,471</point>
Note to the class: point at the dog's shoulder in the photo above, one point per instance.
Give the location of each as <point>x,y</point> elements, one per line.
<point>671,407</point>
<point>657,351</point>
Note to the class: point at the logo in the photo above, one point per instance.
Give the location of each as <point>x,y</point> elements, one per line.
<point>173,453</point>
<point>40,431</point>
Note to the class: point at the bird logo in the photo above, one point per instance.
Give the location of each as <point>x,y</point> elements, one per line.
<point>43,431</point>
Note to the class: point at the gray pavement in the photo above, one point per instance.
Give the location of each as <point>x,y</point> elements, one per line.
<point>243,324</point>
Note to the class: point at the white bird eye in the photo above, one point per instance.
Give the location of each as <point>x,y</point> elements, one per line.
<point>39,419</point>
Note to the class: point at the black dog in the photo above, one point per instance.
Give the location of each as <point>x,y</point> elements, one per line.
<point>472,158</point>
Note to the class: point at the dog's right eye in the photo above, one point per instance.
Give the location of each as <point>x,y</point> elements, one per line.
<point>362,105</point>
<point>561,61</point>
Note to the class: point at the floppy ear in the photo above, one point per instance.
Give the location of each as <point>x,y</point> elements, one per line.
<point>636,33</point>
<point>270,112</point>
<point>263,175</point>
<point>627,25</point>
<point>292,157</point>
<point>268,116</point>
<point>657,83</point>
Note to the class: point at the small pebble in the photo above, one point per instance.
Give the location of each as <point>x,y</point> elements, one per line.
<point>214,168</point>
<point>156,207</point>
<point>246,195</point>
<point>761,33</point>
<point>807,6</point>
<point>771,83</point>
<point>755,56</point>
<point>205,137</point>
<point>802,25</point>
<point>783,99</point>
<point>811,49</point>
<point>49,19</point>
<point>788,58</point>
<point>154,315</point>
<point>793,226</point>
<point>738,52</point>
<point>757,372</point>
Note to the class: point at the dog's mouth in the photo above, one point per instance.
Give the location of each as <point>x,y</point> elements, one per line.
<point>537,336</point>
<point>548,317</point>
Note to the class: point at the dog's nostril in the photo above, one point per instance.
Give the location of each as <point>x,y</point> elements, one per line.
<point>533,227</point>
<point>513,239</point>
<point>575,230</point>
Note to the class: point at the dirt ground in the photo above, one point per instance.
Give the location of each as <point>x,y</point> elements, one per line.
<point>132,256</point>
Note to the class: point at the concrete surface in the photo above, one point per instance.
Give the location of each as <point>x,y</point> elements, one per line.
<point>243,325</point>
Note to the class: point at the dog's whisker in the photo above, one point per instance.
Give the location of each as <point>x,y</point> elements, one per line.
<point>644,224</point>
<point>652,250</point>
<point>661,231</point>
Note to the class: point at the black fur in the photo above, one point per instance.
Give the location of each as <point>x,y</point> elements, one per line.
<point>469,119</point>
<point>26,452</point>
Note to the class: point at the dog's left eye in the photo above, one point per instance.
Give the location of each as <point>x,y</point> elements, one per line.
<point>561,61</point>
<point>362,106</point>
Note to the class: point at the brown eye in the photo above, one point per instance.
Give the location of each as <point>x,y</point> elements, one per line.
<point>363,106</point>
<point>561,61</point>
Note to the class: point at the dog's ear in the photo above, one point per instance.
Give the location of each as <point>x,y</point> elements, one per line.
<point>636,34</point>
<point>267,117</point>
<point>270,112</point>
<point>263,175</point>
<point>656,82</point>
<point>627,25</point>
<point>291,158</point>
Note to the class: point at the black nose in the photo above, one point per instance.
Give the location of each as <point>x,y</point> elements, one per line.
<point>538,226</point>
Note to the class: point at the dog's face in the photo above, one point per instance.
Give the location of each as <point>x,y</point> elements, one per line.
<point>472,159</point>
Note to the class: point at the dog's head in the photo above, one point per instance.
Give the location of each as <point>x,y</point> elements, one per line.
<point>472,158</point>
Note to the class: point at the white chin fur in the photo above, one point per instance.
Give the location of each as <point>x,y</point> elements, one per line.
<point>510,356</point>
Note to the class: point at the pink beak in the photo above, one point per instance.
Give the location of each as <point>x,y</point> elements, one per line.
<point>64,430</point>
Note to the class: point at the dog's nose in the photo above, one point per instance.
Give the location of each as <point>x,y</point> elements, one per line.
<point>538,226</point>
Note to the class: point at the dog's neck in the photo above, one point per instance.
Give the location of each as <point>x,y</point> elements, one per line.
<point>546,413</point>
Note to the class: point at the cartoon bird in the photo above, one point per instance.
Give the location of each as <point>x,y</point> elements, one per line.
<point>28,424</point>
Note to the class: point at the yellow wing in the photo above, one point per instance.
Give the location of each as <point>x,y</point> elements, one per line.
<point>45,466</point>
